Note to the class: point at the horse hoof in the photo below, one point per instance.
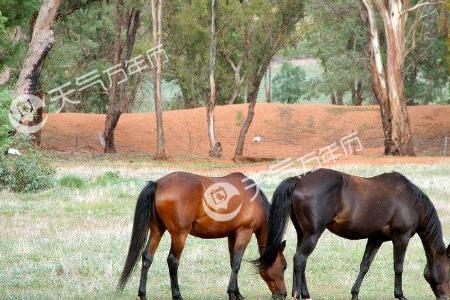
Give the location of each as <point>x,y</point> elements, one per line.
<point>177,298</point>
<point>236,296</point>
<point>142,298</point>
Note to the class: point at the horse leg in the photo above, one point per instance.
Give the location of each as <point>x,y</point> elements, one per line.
<point>400,246</point>
<point>237,243</point>
<point>371,250</point>
<point>173,261</point>
<point>304,249</point>
<point>147,257</point>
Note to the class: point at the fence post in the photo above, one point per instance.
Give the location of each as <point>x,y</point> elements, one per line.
<point>190,143</point>
<point>446,146</point>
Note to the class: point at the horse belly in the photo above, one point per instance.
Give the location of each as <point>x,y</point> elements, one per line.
<point>358,230</point>
<point>211,230</point>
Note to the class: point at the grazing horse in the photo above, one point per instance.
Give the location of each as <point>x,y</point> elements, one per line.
<point>383,208</point>
<point>205,207</point>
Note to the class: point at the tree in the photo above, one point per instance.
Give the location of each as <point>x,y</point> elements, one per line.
<point>215,147</point>
<point>42,41</point>
<point>333,36</point>
<point>264,38</point>
<point>157,39</point>
<point>289,84</point>
<point>387,82</point>
<point>118,102</point>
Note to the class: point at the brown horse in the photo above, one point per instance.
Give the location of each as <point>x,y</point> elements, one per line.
<point>205,207</point>
<point>383,208</point>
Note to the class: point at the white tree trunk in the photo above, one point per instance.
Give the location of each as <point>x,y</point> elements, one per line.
<point>394,19</point>
<point>215,147</point>
<point>387,82</point>
<point>157,39</point>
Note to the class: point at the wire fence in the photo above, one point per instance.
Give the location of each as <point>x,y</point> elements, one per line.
<point>272,143</point>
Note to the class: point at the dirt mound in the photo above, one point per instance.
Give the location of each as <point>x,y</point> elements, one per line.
<point>284,130</point>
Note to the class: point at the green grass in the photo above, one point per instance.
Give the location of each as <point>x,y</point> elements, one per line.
<point>70,243</point>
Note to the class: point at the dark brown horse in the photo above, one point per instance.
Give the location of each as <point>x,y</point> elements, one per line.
<point>209,208</point>
<point>383,208</point>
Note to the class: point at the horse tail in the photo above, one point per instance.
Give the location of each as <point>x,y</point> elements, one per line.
<point>279,213</point>
<point>141,227</point>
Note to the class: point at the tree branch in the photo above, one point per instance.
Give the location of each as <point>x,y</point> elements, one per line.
<point>78,5</point>
<point>417,6</point>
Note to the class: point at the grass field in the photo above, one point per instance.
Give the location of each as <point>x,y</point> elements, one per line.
<point>70,243</point>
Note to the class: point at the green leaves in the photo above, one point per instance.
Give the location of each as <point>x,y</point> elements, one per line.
<point>26,173</point>
<point>5,125</point>
<point>289,84</point>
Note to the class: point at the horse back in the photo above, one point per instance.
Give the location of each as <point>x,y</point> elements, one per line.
<point>378,206</point>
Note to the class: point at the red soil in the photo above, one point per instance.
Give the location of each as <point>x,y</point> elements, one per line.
<point>286,130</point>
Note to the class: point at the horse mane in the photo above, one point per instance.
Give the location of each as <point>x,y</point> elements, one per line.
<point>430,229</point>
<point>265,201</point>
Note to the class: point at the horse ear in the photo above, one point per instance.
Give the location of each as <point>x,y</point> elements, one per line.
<point>448,251</point>
<point>282,246</point>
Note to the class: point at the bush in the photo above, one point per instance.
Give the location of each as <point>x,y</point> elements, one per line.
<point>289,84</point>
<point>28,172</point>
<point>72,181</point>
<point>5,125</point>
<point>108,178</point>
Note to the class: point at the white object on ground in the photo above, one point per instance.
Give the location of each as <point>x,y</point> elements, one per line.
<point>12,151</point>
<point>257,139</point>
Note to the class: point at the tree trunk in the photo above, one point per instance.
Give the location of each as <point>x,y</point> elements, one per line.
<point>157,39</point>
<point>338,97</point>
<point>214,145</point>
<point>251,99</point>
<point>394,20</point>
<point>238,80</point>
<point>378,74</point>
<point>333,98</point>
<point>119,101</point>
<point>113,115</point>
<point>357,97</point>
<point>42,41</point>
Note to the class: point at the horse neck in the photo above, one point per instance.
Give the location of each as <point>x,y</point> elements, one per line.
<point>261,236</point>
<point>263,230</point>
<point>433,243</point>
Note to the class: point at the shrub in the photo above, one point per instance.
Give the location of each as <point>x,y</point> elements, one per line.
<point>289,84</point>
<point>72,181</point>
<point>5,125</point>
<point>108,178</point>
<point>28,172</point>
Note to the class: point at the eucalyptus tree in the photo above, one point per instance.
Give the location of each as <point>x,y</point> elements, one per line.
<point>119,100</point>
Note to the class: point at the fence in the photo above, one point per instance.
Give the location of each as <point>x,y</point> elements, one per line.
<point>274,143</point>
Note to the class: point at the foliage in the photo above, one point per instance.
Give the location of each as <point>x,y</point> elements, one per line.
<point>108,178</point>
<point>72,181</point>
<point>426,69</point>
<point>337,38</point>
<point>28,172</point>
<point>5,127</point>
<point>289,84</point>
<point>2,23</point>
<point>250,32</point>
